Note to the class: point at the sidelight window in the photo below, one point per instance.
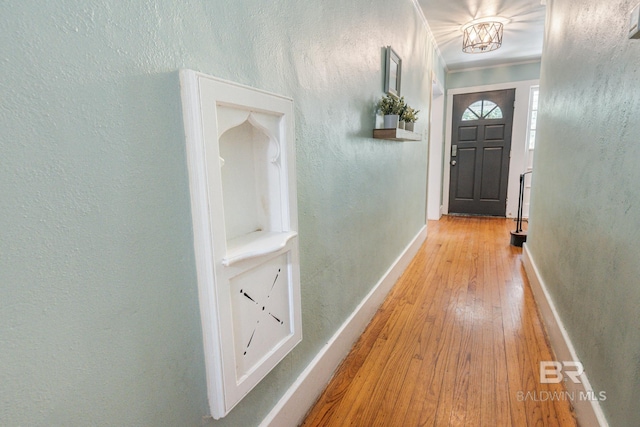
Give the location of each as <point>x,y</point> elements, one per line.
<point>533,116</point>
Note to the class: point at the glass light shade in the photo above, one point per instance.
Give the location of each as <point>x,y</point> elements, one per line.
<point>482,37</point>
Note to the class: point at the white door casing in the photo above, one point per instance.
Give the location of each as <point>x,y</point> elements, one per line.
<point>436,143</point>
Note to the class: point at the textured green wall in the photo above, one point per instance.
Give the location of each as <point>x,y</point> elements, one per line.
<point>98,293</point>
<point>585,209</point>
<point>493,75</point>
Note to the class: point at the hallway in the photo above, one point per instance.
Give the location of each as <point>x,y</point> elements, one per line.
<point>458,341</point>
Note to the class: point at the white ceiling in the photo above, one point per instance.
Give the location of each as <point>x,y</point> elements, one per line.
<point>521,42</point>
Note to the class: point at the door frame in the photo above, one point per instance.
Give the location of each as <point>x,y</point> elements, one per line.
<point>519,147</point>
<point>436,144</point>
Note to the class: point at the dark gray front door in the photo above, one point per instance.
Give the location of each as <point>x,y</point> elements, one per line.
<point>480,152</point>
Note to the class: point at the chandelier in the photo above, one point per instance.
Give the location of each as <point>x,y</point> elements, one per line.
<point>482,35</point>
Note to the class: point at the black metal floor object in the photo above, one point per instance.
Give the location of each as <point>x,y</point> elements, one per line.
<point>518,237</point>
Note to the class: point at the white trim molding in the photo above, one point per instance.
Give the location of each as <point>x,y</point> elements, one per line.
<point>420,12</point>
<point>303,393</point>
<point>436,148</point>
<point>500,65</point>
<point>588,412</point>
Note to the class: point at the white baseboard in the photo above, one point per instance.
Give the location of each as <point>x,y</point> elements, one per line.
<point>304,392</point>
<point>588,412</point>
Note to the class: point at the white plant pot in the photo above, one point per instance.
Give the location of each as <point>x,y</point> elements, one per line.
<point>401,124</point>
<point>391,121</point>
<point>408,126</point>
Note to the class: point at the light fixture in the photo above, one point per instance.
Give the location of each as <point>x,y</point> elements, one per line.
<point>482,35</point>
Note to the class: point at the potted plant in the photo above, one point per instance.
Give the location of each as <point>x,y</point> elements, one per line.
<point>410,116</point>
<point>391,108</point>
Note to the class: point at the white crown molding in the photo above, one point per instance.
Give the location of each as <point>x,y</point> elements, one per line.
<point>487,67</point>
<point>433,39</point>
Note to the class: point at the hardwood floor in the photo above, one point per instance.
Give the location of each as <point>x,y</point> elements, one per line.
<point>458,341</point>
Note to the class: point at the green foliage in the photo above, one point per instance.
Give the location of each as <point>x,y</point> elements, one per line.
<point>390,104</point>
<point>409,115</point>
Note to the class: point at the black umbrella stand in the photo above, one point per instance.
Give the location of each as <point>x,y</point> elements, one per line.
<point>518,237</point>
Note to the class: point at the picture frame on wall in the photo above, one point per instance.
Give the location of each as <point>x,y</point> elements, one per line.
<point>393,73</point>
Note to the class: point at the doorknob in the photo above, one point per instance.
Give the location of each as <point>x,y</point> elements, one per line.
<point>453,162</point>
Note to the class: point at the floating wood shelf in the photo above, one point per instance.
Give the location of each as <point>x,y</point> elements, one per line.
<point>396,135</point>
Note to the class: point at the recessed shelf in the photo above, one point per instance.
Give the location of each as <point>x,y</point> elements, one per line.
<point>255,244</point>
<point>245,222</point>
<point>396,135</point>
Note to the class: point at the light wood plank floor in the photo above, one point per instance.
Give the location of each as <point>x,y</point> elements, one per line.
<point>457,342</point>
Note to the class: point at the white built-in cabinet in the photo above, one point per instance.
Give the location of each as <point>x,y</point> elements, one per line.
<point>241,159</point>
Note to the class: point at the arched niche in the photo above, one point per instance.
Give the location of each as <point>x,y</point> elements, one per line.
<point>240,145</point>
<point>251,182</point>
